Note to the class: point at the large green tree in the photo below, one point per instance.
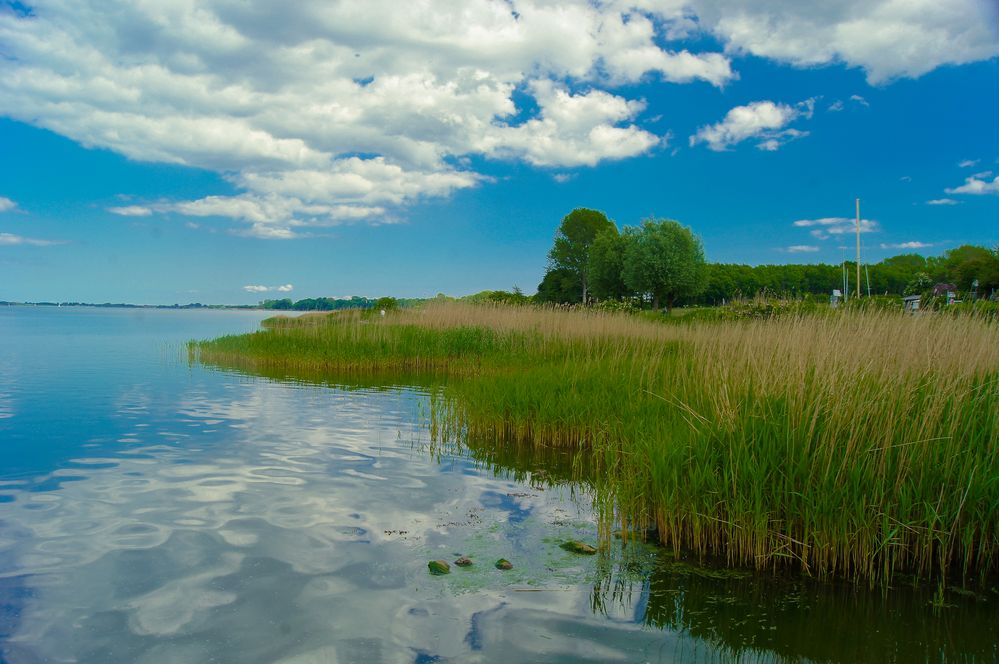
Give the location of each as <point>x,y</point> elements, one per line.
<point>571,250</point>
<point>606,265</point>
<point>664,259</point>
<point>968,263</point>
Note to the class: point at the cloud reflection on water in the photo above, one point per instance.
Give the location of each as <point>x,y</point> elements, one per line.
<point>288,522</point>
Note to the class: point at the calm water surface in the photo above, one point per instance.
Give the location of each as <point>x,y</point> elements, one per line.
<point>151,511</point>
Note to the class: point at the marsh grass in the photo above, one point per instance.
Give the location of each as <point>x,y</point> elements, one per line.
<point>856,444</point>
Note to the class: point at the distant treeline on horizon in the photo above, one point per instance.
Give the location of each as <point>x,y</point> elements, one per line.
<point>891,276</point>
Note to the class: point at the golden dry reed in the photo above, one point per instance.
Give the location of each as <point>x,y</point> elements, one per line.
<point>854,443</point>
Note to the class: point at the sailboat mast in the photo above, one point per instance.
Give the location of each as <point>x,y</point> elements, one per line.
<point>858,247</point>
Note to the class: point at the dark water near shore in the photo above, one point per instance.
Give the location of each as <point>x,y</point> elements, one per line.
<point>151,511</point>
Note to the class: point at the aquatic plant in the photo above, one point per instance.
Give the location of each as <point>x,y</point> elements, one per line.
<point>854,443</point>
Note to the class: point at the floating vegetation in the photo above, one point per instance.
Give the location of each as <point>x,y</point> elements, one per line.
<point>438,567</point>
<point>857,444</point>
<point>575,546</point>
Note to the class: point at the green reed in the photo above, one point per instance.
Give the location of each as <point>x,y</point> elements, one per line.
<point>856,445</point>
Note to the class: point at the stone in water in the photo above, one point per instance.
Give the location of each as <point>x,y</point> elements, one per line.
<point>439,567</point>
<point>579,547</point>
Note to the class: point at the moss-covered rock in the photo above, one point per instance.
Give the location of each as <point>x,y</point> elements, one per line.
<point>575,546</point>
<point>438,567</point>
<point>503,563</point>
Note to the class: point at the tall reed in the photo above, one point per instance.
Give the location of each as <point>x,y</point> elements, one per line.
<point>856,444</point>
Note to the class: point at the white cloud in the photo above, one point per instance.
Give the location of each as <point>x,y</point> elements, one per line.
<point>572,129</point>
<point>801,248</point>
<point>968,163</point>
<point>887,38</point>
<point>9,239</point>
<point>906,245</point>
<point>976,186</point>
<point>828,226</point>
<point>942,201</point>
<point>131,211</point>
<point>905,178</point>
<point>836,106</point>
<point>329,112</point>
<point>286,288</point>
<point>6,204</point>
<point>860,100</point>
<point>764,121</point>
<point>562,178</point>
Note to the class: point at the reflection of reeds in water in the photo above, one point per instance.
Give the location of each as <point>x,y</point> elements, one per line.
<point>855,444</point>
<point>760,617</point>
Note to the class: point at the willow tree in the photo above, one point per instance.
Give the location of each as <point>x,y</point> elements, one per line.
<point>664,259</point>
<point>571,251</point>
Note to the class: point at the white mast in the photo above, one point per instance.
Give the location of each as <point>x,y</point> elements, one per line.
<point>858,247</point>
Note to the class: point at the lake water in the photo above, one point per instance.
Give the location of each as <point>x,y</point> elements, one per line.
<point>153,511</point>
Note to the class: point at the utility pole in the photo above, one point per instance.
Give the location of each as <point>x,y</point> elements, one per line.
<point>858,247</point>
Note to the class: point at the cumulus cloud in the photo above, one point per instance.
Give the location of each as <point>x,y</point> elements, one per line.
<point>968,163</point>
<point>331,112</point>
<point>906,245</point>
<point>801,248</point>
<point>334,112</point>
<point>286,288</point>
<point>942,201</point>
<point>572,129</point>
<point>977,185</point>
<point>763,121</point>
<point>9,239</point>
<point>859,100</point>
<point>836,106</point>
<point>888,38</point>
<point>6,204</point>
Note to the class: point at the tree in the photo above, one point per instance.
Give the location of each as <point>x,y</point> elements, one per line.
<point>558,287</point>
<point>920,283</point>
<point>968,262</point>
<point>665,259</point>
<point>573,238</point>
<point>386,304</point>
<point>605,265</point>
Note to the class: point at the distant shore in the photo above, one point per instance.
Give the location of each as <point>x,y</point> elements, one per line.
<point>123,305</point>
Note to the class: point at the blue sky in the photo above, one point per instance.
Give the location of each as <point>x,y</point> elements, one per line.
<point>173,154</point>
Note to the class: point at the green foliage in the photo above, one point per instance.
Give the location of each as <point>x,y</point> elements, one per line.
<point>627,306</point>
<point>967,263</point>
<point>606,265</point>
<point>559,286</point>
<point>920,283</point>
<point>386,304</point>
<point>317,304</point>
<point>571,250</point>
<point>664,259</point>
<point>516,296</point>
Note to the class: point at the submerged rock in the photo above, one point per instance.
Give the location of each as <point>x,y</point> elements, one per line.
<point>439,567</point>
<point>503,563</point>
<point>463,561</point>
<point>575,546</point>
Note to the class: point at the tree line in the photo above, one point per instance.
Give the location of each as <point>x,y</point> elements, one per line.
<point>662,262</point>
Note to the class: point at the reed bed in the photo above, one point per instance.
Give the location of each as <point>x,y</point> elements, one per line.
<point>857,444</point>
